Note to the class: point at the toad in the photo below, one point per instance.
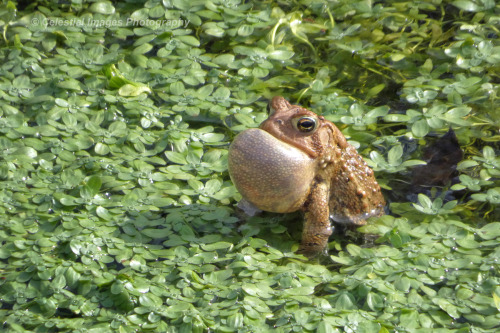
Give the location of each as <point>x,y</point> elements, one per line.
<point>297,160</point>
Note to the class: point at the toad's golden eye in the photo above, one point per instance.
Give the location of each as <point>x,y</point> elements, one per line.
<point>305,124</point>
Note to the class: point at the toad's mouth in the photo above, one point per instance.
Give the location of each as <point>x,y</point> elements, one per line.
<point>271,174</point>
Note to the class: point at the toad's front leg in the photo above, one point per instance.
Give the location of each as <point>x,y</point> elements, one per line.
<point>317,227</point>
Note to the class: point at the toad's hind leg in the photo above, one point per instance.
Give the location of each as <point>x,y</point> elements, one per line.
<point>317,227</point>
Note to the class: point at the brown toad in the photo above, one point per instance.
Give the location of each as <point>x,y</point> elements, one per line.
<point>297,160</point>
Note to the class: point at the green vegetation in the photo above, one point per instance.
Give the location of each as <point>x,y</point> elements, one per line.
<point>116,209</point>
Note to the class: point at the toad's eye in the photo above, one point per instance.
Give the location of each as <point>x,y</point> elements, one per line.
<point>305,124</point>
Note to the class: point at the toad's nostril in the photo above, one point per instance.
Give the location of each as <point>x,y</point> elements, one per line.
<point>269,109</point>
